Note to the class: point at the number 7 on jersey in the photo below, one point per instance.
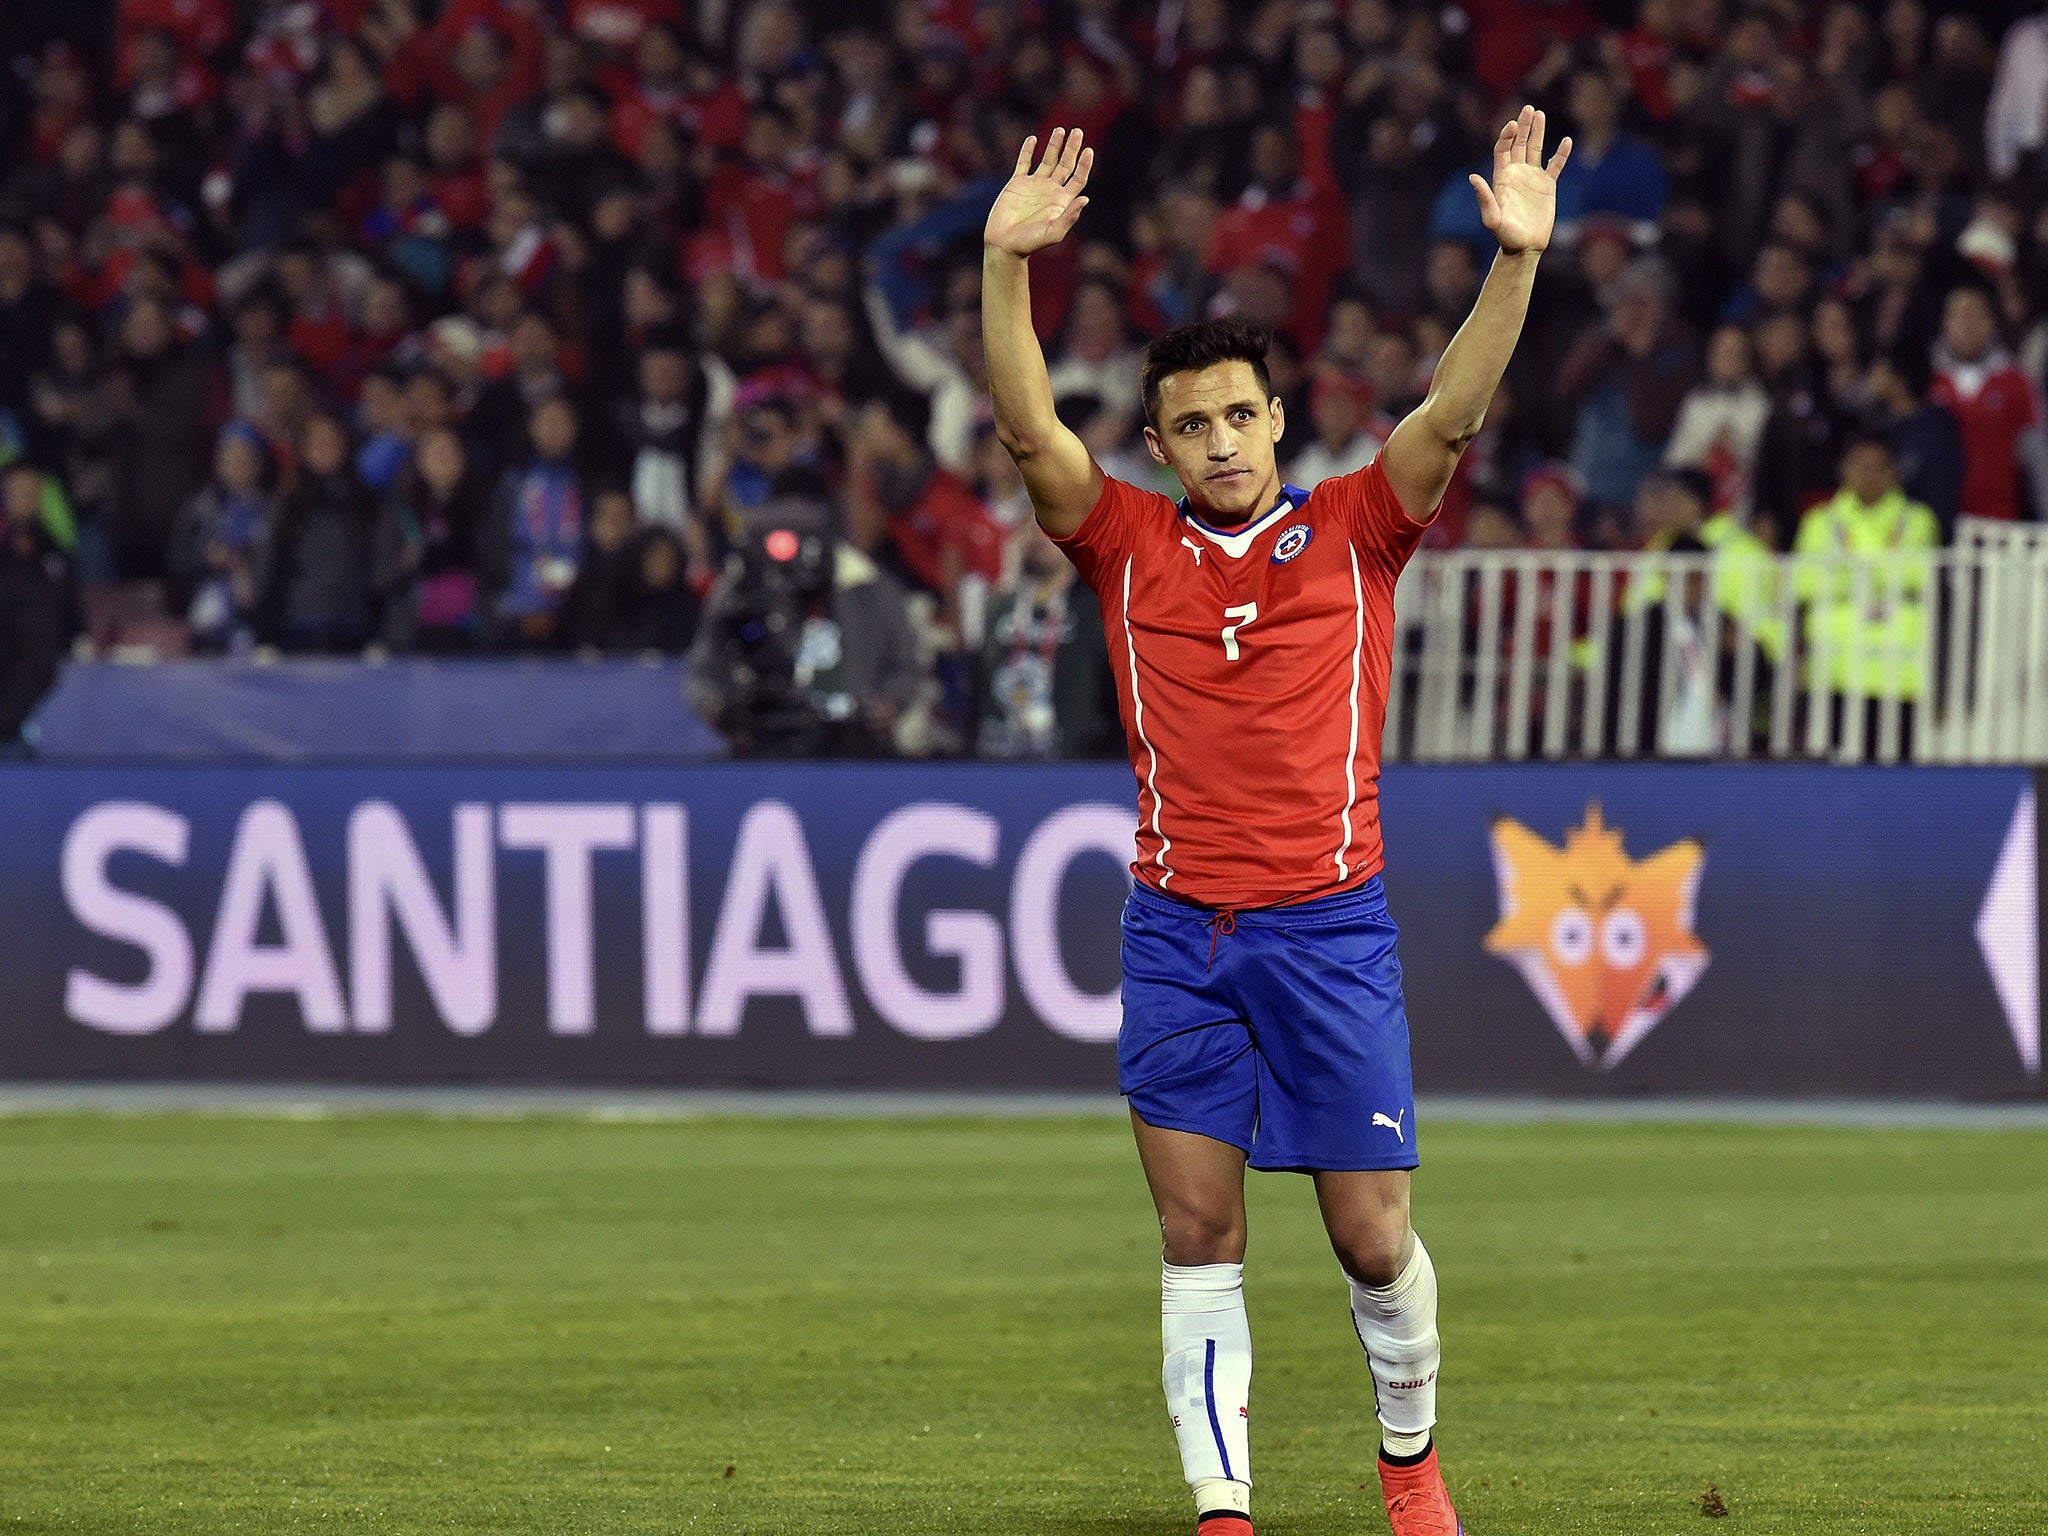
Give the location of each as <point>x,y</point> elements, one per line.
<point>1243,613</point>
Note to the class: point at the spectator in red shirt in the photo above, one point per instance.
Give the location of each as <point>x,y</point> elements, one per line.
<point>454,179</point>
<point>753,196</point>
<point>1510,36</point>
<point>1647,51</point>
<point>522,245</point>
<point>318,329</point>
<point>1552,498</point>
<point>1884,159</point>
<point>484,54</point>
<point>1088,100</point>
<point>1320,62</point>
<point>1282,211</point>
<point>673,83</point>
<point>914,517</point>
<point>198,27</point>
<point>1977,382</point>
<point>62,91</point>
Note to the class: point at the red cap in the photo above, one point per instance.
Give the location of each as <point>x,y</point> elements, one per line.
<point>1333,381</point>
<point>1554,472</point>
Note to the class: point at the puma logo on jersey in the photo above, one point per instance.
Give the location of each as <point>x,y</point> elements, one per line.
<point>1393,1125</point>
<point>1191,544</point>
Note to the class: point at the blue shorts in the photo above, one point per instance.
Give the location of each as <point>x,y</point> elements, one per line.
<point>1280,1031</point>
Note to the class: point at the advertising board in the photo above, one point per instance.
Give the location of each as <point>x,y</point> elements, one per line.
<point>1597,929</point>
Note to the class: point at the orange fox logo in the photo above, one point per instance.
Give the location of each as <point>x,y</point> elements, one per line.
<point>1604,941</point>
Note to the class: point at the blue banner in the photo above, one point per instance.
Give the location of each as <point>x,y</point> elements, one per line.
<point>1566,929</point>
<point>516,711</point>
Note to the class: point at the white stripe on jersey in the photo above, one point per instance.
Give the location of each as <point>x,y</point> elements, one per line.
<point>1138,723</point>
<point>1351,753</point>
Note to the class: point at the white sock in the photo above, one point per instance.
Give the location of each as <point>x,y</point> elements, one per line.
<point>1208,1379</point>
<point>1214,1495</point>
<point>1397,1325</point>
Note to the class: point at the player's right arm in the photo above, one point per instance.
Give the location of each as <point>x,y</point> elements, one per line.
<point>1035,210</point>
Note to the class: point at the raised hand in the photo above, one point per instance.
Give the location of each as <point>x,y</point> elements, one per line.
<point>1038,207</point>
<point>1520,208</point>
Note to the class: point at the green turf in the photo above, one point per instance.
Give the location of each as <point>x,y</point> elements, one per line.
<point>394,1325</point>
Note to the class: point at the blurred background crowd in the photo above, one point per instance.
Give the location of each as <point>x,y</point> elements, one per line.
<point>627,326</point>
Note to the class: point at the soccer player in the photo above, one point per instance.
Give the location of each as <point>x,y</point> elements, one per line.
<point>1250,628</point>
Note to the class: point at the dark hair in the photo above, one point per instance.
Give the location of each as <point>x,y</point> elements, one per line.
<point>666,338</point>
<point>1204,344</point>
<point>1696,483</point>
<point>1869,437</point>
<point>264,295</point>
<point>1913,366</point>
<point>1077,409</point>
<point>911,412</point>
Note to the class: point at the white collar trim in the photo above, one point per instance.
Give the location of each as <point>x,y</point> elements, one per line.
<point>1237,544</point>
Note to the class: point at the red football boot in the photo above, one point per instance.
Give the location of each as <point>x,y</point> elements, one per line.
<point>1418,1504</point>
<point>1226,1523</point>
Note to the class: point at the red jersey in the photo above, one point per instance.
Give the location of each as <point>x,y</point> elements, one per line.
<point>947,515</point>
<point>758,205</point>
<point>1252,669</point>
<point>1307,228</point>
<point>1993,404</point>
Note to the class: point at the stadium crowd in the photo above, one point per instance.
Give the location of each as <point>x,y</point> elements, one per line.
<point>624,325</point>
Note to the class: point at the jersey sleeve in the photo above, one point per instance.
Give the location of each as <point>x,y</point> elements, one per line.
<point>1377,522</point>
<point>1109,532</point>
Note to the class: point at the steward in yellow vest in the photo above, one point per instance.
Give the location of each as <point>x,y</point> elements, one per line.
<point>1874,643</point>
<point>1745,570</point>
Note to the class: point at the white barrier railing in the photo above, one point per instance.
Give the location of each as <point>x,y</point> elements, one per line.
<point>1932,656</point>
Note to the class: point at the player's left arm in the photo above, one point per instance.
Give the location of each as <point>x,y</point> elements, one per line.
<point>1520,208</point>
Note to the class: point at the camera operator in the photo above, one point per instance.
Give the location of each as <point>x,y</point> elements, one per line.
<point>806,647</point>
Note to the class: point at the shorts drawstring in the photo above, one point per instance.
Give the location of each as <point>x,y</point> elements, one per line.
<point>1222,922</point>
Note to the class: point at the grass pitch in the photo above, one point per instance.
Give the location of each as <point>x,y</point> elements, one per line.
<point>410,1325</point>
